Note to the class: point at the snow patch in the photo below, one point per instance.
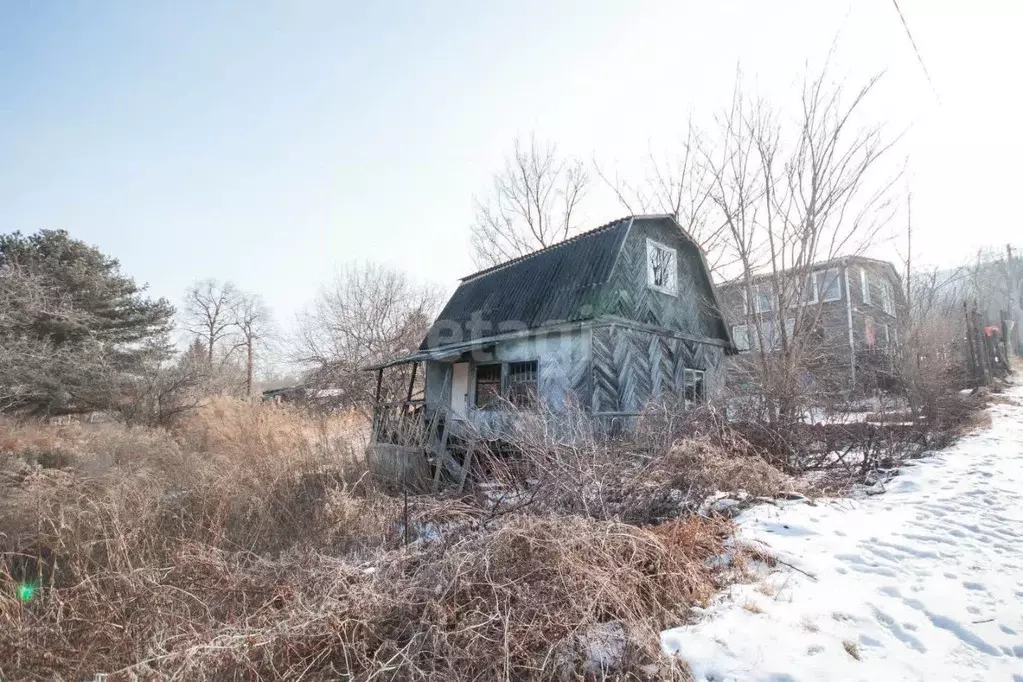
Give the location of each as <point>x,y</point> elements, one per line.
<point>923,582</point>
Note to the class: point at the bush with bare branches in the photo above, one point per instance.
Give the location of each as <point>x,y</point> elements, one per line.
<point>247,538</point>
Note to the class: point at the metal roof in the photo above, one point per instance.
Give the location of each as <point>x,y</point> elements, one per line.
<point>556,284</point>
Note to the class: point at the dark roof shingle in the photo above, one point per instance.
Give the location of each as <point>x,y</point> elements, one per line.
<point>556,284</point>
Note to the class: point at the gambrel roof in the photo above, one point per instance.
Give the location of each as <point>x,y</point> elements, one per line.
<point>563,283</point>
<point>554,284</point>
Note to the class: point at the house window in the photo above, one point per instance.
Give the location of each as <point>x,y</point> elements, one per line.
<point>886,297</point>
<point>828,285</point>
<point>865,285</point>
<point>870,333</point>
<point>514,382</point>
<point>746,338</point>
<point>522,384</point>
<point>763,298</point>
<point>809,294</point>
<point>885,337</point>
<point>662,267</point>
<point>488,385</point>
<point>740,335</point>
<point>772,334</point>
<point>695,392</point>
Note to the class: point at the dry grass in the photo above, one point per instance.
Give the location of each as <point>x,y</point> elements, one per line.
<point>752,607</point>
<point>247,542</point>
<point>669,468</point>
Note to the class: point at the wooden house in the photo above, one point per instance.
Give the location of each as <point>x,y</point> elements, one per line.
<point>851,310</point>
<point>601,323</point>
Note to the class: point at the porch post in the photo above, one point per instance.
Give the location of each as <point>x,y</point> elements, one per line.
<point>411,385</point>
<point>376,404</point>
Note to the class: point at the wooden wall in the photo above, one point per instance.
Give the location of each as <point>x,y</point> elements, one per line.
<point>633,366</point>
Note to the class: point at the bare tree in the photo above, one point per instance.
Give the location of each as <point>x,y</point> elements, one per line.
<point>533,204</point>
<point>677,182</point>
<point>792,197</point>
<point>368,314</point>
<point>209,314</point>
<point>253,323</point>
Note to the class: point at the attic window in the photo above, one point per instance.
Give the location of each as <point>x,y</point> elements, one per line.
<point>662,267</point>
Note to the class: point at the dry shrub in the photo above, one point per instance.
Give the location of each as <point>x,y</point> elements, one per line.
<point>523,600</point>
<point>671,463</point>
<point>247,542</point>
<point>708,466</point>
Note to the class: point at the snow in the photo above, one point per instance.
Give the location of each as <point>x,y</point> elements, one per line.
<point>924,582</point>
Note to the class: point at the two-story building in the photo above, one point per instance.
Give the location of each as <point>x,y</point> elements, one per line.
<point>847,311</point>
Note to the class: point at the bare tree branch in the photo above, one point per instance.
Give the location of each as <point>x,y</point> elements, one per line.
<point>533,204</point>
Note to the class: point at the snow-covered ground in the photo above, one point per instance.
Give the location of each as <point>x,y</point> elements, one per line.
<point>924,582</point>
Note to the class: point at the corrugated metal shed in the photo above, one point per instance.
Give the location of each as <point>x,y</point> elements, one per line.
<point>558,284</point>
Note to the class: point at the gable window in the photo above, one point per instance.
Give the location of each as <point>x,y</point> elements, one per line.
<point>695,392</point>
<point>828,285</point>
<point>488,385</point>
<point>662,267</point>
<point>522,384</point>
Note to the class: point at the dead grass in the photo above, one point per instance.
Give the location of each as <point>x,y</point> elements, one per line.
<point>752,607</point>
<point>710,466</point>
<point>247,542</point>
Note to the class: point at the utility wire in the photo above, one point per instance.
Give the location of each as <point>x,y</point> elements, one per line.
<point>919,57</point>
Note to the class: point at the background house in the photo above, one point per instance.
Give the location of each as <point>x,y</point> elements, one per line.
<point>849,311</point>
<point>604,321</point>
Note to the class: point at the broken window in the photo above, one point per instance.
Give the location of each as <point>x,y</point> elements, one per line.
<point>522,384</point>
<point>870,332</point>
<point>694,386</point>
<point>662,267</point>
<point>488,385</point>
<point>515,382</point>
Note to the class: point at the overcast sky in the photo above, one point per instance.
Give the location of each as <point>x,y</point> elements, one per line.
<point>269,142</point>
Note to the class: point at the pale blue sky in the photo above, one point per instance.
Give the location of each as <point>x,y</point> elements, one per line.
<point>268,142</point>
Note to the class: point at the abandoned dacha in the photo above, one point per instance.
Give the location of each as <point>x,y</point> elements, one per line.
<point>602,322</point>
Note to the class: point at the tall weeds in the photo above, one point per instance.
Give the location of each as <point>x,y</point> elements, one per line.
<point>248,541</point>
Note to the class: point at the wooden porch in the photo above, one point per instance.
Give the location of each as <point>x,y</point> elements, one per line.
<point>412,444</point>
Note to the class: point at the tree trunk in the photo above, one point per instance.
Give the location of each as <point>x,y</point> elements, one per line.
<point>248,369</point>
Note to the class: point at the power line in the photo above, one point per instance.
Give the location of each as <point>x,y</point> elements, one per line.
<point>919,57</point>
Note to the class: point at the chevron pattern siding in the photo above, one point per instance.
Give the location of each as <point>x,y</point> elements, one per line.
<point>632,367</point>
<point>627,295</point>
